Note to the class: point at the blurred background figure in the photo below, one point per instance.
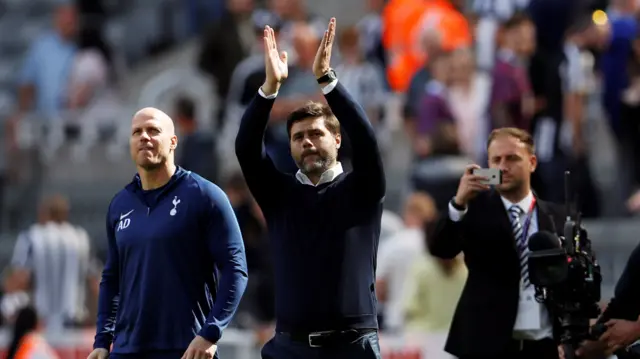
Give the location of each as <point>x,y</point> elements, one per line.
<point>364,79</point>
<point>197,149</point>
<point>397,255</point>
<point>433,287</point>
<point>52,263</point>
<point>219,55</point>
<point>26,341</point>
<point>468,98</point>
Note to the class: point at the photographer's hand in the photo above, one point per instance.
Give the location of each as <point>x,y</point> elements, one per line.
<point>590,349</point>
<point>620,334</point>
<point>470,185</point>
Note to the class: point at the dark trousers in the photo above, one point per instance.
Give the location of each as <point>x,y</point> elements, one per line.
<point>282,347</point>
<point>526,349</point>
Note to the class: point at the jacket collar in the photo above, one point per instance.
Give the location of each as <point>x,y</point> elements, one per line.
<point>135,186</point>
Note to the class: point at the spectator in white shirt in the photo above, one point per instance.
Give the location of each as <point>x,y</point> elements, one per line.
<point>397,255</point>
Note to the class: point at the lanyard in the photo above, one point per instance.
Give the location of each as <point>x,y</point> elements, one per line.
<point>527,222</point>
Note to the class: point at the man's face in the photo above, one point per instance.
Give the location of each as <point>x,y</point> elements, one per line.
<point>511,156</point>
<point>526,39</point>
<point>152,141</point>
<point>283,7</point>
<point>240,7</point>
<point>305,43</point>
<point>66,20</point>
<point>313,147</point>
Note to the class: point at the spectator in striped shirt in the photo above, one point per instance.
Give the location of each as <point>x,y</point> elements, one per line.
<point>365,82</point>
<point>52,264</point>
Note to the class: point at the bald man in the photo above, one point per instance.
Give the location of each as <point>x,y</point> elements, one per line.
<point>176,267</point>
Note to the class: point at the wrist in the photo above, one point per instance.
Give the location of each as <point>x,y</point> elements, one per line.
<point>270,88</point>
<point>322,72</point>
<point>458,204</point>
<point>211,333</point>
<point>326,77</point>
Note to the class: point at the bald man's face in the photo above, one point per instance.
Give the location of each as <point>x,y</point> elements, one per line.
<point>153,139</point>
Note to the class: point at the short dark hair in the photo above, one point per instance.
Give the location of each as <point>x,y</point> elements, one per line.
<point>521,135</point>
<point>314,110</point>
<point>185,107</point>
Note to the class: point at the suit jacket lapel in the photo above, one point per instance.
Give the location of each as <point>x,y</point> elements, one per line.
<point>545,220</point>
<point>503,217</point>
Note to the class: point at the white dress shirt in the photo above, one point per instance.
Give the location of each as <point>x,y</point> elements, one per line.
<point>326,177</point>
<point>546,329</point>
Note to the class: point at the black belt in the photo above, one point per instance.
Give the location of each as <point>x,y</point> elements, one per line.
<point>328,338</point>
<point>520,345</point>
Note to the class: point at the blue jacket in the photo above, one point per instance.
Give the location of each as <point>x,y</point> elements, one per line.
<point>176,266</point>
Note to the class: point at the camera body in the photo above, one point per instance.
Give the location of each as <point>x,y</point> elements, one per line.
<point>568,281</point>
<point>567,278</point>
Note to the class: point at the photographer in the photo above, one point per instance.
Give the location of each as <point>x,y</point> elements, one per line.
<point>497,315</point>
<point>620,318</point>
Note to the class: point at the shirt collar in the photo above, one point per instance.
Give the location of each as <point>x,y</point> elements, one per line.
<point>328,175</point>
<point>525,204</point>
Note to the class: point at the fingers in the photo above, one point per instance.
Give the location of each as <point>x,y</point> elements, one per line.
<point>476,178</point>
<point>284,56</point>
<point>469,169</point>
<point>478,187</point>
<point>331,31</point>
<point>273,38</point>
<point>269,39</point>
<point>265,41</point>
<point>323,42</point>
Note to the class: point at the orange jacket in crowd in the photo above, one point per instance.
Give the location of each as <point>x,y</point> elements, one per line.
<point>34,346</point>
<point>405,22</point>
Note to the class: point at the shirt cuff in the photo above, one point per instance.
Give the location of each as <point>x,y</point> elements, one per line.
<point>456,215</point>
<point>102,342</point>
<point>270,97</point>
<point>211,333</point>
<point>330,86</point>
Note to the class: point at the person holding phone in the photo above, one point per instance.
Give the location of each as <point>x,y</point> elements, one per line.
<point>490,220</point>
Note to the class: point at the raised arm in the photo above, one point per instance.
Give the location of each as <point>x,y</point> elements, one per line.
<point>225,243</point>
<point>109,291</point>
<point>448,236</point>
<point>366,161</point>
<point>263,178</point>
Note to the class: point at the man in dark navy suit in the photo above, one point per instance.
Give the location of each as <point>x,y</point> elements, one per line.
<point>324,223</point>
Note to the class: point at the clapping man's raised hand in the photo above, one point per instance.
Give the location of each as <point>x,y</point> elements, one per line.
<point>275,63</point>
<point>322,63</point>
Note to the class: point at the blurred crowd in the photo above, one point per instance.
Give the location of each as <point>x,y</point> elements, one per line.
<point>434,76</point>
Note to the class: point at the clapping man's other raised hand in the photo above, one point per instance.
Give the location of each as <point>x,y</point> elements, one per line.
<point>275,63</point>
<point>322,62</point>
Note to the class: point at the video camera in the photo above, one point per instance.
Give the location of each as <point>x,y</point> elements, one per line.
<point>567,278</point>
